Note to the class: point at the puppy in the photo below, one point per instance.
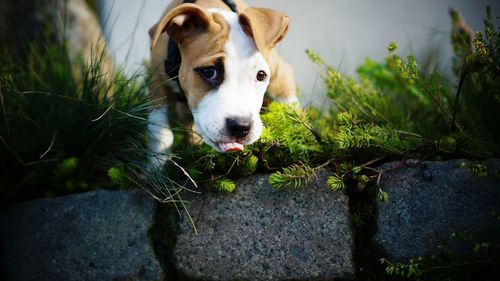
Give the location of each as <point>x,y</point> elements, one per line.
<point>220,54</point>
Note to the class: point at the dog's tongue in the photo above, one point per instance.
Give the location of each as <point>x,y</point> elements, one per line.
<point>230,146</point>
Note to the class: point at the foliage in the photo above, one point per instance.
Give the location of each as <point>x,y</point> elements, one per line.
<point>292,177</point>
<point>288,135</point>
<point>476,169</point>
<point>411,269</point>
<point>392,111</point>
<point>118,176</point>
<point>59,135</point>
<point>224,185</point>
<point>393,93</point>
<point>294,146</point>
<point>477,260</point>
<point>477,67</point>
<point>335,183</point>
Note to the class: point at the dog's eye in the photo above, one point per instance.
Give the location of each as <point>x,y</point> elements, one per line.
<point>209,73</point>
<point>213,75</point>
<point>261,75</point>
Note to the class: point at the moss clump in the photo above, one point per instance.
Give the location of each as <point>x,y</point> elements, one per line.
<point>224,185</point>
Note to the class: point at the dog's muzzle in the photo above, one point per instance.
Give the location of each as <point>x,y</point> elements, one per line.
<point>239,127</point>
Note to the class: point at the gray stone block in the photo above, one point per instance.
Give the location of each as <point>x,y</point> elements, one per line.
<point>100,235</point>
<point>260,233</point>
<point>429,202</point>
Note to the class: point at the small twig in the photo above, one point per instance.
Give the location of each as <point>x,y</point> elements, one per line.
<point>416,164</point>
<point>264,163</point>
<point>398,166</point>
<point>40,161</point>
<point>441,267</point>
<point>366,166</point>
<point>437,102</point>
<point>102,115</point>
<point>457,96</point>
<point>371,169</point>
<point>325,164</point>
<point>380,176</point>
<point>169,198</point>
<point>232,166</point>
<point>51,95</point>
<point>184,172</point>
<point>315,133</point>
<point>190,218</point>
<point>12,151</point>
<point>372,161</point>
<point>161,200</point>
<point>4,111</point>
<point>50,146</point>
<point>267,167</point>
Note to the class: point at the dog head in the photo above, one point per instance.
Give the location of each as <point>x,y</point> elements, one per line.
<point>224,72</point>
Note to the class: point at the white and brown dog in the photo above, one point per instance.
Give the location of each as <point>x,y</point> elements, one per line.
<point>226,64</point>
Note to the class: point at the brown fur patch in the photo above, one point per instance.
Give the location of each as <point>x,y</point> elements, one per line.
<point>267,27</point>
<point>202,50</point>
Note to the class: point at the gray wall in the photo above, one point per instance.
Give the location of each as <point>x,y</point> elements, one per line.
<point>343,32</point>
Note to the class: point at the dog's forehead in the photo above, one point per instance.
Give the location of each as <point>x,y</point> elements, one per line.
<point>229,44</point>
<point>207,44</point>
<point>241,45</point>
<point>214,42</point>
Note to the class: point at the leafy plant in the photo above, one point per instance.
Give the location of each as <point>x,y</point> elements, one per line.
<point>477,260</point>
<point>335,183</point>
<point>118,176</point>
<point>224,185</point>
<point>477,68</point>
<point>294,177</point>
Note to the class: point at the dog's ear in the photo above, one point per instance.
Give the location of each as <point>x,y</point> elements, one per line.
<point>182,22</point>
<point>267,27</point>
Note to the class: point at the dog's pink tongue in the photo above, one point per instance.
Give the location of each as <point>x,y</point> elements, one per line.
<point>230,146</point>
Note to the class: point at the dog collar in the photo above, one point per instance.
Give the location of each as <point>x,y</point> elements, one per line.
<point>174,60</point>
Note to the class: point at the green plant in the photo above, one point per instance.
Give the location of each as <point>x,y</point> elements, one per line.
<point>477,260</point>
<point>59,135</point>
<point>294,176</point>
<point>224,185</point>
<point>477,68</point>
<point>117,175</point>
<point>411,269</point>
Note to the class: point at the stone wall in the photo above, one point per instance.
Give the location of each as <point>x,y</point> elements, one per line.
<point>254,233</point>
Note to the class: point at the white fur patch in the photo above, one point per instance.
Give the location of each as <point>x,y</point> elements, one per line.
<point>161,137</point>
<point>239,96</point>
<point>291,99</point>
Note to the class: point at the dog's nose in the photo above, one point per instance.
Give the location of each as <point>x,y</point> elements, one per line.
<point>239,127</point>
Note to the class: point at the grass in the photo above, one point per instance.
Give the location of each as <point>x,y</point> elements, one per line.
<point>60,135</point>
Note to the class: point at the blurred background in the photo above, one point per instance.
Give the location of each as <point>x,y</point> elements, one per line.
<point>343,32</point>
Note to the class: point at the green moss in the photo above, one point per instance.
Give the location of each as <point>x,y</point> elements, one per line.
<point>117,175</point>
<point>224,185</point>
